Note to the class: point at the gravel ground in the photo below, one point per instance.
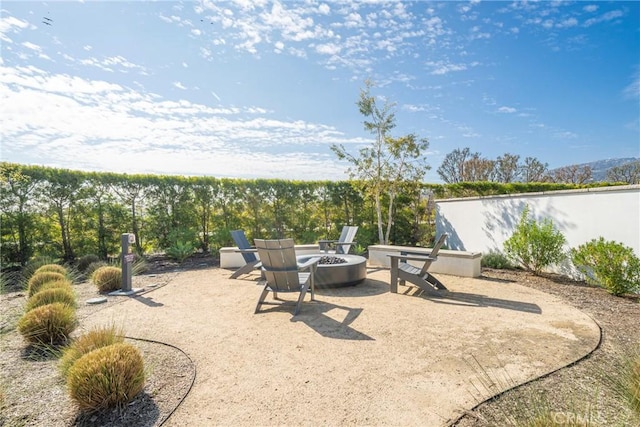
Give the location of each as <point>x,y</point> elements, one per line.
<point>33,393</point>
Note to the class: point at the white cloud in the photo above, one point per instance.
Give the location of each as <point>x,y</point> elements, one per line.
<point>109,127</point>
<point>179,85</point>
<point>508,110</point>
<point>328,49</point>
<point>444,67</point>
<point>10,24</point>
<point>567,23</point>
<point>609,16</point>
<point>590,8</point>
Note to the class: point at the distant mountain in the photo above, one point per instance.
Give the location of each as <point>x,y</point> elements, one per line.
<point>599,168</point>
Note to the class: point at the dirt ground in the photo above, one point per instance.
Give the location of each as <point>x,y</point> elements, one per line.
<point>355,356</point>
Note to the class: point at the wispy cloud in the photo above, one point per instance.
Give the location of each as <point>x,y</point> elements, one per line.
<point>508,110</point>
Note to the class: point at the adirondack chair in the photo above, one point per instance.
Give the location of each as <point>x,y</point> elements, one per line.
<point>343,244</point>
<point>248,253</point>
<point>282,273</point>
<point>402,271</point>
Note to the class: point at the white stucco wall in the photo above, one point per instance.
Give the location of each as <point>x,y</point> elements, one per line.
<point>484,223</point>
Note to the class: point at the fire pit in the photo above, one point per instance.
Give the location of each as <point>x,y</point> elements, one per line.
<point>338,270</point>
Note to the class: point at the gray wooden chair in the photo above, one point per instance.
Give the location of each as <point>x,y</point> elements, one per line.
<point>402,271</point>
<point>248,254</point>
<point>282,273</point>
<point>343,244</point>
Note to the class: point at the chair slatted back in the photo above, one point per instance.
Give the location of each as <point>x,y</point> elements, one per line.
<point>242,243</point>
<point>434,252</point>
<point>347,236</point>
<point>279,264</point>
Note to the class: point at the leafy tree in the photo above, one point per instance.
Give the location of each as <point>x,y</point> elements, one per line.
<point>16,190</point>
<point>532,170</point>
<point>628,172</point>
<point>388,163</point>
<point>535,245</point>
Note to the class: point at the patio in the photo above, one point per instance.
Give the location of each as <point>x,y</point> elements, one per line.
<point>358,355</point>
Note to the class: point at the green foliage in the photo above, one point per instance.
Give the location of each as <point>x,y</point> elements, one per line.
<point>535,245</point>
<point>52,268</point>
<point>37,280</point>
<point>85,261</point>
<point>107,278</point>
<point>608,264</point>
<point>498,260</point>
<point>182,246</point>
<point>63,295</point>
<point>108,377</point>
<point>96,338</point>
<point>48,324</point>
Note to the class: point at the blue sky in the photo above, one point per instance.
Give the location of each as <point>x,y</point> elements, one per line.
<point>262,89</point>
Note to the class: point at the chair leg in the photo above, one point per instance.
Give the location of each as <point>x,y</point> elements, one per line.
<point>393,286</point>
<point>303,292</point>
<point>435,282</point>
<point>245,269</point>
<point>263,295</point>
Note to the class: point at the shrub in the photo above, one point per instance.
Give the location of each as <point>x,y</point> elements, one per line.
<point>92,340</point>
<point>107,377</point>
<point>50,295</point>
<point>85,261</point>
<point>107,278</point>
<point>608,264</point>
<point>48,324</point>
<point>180,250</point>
<point>53,268</point>
<point>535,245</point>
<point>37,280</point>
<point>497,260</point>
<point>65,284</point>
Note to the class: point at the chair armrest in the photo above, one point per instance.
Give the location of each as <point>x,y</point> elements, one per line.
<point>310,263</point>
<point>248,250</point>
<point>344,243</point>
<point>412,257</point>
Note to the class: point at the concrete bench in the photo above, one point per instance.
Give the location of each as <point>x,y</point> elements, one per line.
<point>230,258</point>
<point>456,263</point>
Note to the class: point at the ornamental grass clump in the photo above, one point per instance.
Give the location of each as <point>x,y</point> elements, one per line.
<point>49,324</point>
<point>92,340</point>
<point>535,245</point>
<point>107,278</point>
<point>50,295</point>
<point>52,268</point>
<point>608,264</point>
<point>37,281</point>
<point>108,377</point>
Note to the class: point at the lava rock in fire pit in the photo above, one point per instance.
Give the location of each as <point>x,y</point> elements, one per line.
<point>331,260</point>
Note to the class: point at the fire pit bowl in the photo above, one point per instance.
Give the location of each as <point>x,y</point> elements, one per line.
<point>334,273</point>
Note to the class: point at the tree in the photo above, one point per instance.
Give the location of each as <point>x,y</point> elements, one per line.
<point>574,174</point>
<point>452,169</point>
<point>532,170</point>
<point>479,169</point>
<point>388,163</point>
<point>507,168</point>
<point>16,190</point>
<point>628,172</point>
